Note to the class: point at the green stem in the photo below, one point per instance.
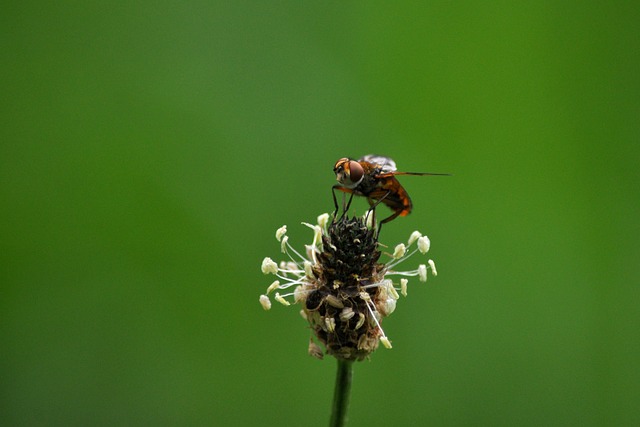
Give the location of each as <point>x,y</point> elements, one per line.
<point>342,393</point>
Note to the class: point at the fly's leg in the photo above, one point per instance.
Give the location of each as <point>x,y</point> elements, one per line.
<point>335,201</point>
<point>346,209</point>
<point>345,204</point>
<point>391,217</point>
<point>373,208</point>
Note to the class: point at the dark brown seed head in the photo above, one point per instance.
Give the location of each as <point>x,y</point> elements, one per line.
<point>337,309</point>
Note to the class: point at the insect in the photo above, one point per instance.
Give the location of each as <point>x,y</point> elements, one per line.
<point>374,177</point>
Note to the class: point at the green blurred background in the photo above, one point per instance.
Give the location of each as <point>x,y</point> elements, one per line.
<point>149,151</point>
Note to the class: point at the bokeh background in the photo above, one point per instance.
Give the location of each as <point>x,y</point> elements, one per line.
<point>149,151</point>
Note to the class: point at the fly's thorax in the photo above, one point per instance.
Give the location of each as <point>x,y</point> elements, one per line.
<point>368,184</point>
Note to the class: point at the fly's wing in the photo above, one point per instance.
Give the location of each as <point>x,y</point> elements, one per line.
<point>386,164</point>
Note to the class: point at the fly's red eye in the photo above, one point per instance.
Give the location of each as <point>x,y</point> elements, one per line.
<point>355,171</point>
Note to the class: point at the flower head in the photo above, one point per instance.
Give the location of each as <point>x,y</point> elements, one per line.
<point>344,290</point>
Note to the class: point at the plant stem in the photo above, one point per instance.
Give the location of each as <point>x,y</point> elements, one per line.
<point>342,393</point>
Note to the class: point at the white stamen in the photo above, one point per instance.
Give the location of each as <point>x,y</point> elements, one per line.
<point>299,294</point>
<point>272,287</point>
<point>292,266</point>
<point>414,236</point>
<point>391,290</point>
<point>311,252</point>
<point>317,232</point>
<point>433,267</point>
<point>400,250</point>
<point>295,252</point>
<point>281,300</point>
<point>368,218</point>
<point>323,219</point>
<point>265,302</point>
<point>375,315</point>
<point>308,269</point>
<point>283,244</point>
<point>422,272</point>
<point>330,323</point>
<point>403,287</point>
<point>385,342</point>
<point>268,266</point>
<point>388,306</point>
<point>315,350</point>
<point>424,244</point>
<point>283,269</point>
<point>281,232</point>
<point>346,314</point>
<point>334,301</point>
<point>360,321</point>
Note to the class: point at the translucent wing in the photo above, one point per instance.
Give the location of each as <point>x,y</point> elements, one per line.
<point>385,163</point>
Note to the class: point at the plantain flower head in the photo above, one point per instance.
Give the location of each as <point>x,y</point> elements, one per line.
<point>342,287</point>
